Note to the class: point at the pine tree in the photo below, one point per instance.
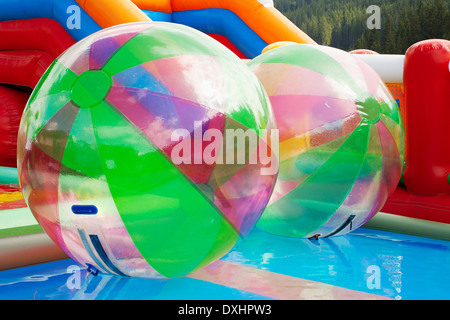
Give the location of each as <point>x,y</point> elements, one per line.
<point>326,31</point>
<point>416,31</point>
<point>361,43</point>
<point>447,26</point>
<point>342,23</point>
<point>374,40</point>
<point>437,19</point>
<point>403,33</point>
<point>370,40</point>
<point>389,44</point>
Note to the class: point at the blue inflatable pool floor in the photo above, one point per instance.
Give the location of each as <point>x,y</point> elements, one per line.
<point>366,264</point>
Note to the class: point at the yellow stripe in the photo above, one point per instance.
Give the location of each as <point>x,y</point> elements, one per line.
<point>294,146</point>
<point>11,196</point>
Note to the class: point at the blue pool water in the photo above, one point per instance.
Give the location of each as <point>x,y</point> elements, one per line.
<point>386,264</point>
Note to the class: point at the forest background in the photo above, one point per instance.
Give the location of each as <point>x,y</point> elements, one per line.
<point>343,23</point>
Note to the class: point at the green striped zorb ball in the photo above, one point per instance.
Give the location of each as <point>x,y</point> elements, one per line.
<point>341,140</point>
<point>122,148</point>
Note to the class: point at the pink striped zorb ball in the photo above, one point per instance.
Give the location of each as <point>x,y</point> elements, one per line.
<point>341,140</point>
<point>125,157</point>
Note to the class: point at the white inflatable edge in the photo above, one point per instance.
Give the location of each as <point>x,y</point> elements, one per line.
<point>389,66</point>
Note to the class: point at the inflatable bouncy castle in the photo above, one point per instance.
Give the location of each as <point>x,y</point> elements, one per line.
<point>33,34</point>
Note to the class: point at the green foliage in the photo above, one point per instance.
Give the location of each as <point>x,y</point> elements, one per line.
<point>342,23</point>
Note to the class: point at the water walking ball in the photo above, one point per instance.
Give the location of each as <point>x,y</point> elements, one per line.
<point>341,140</point>
<point>124,157</point>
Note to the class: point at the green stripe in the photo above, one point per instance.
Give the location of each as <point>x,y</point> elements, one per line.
<point>173,226</point>
<point>20,231</point>
<point>391,110</point>
<point>314,201</point>
<point>38,113</point>
<point>56,130</point>
<point>373,161</point>
<point>161,41</point>
<point>370,172</point>
<point>300,167</point>
<point>247,101</point>
<point>50,95</point>
<point>398,134</point>
<point>81,153</point>
<point>309,57</point>
<point>58,78</point>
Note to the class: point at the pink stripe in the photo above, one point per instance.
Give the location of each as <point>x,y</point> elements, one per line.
<point>372,78</point>
<point>348,62</point>
<point>281,189</point>
<point>243,197</point>
<point>297,115</point>
<point>275,285</point>
<point>272,77</point>
<point>160,130</point>
<point>391,158</point>
<point>382,193</point>
<point>301,81</point>
<point>389,173</point>
<point>184,77</point>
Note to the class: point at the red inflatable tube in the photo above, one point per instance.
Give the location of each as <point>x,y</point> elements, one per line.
<point>364,51</point>
<point>45,35</point>
<point>29,47</point>
<point>431,208</point>
<point>23,67</point>
<point>427,93</point>
<point>12,102</point>
<point>227,43</point>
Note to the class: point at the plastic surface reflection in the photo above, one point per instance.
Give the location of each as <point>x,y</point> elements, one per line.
<point>341,140</point>
<point>103,132</point>
<point>364,264</point>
